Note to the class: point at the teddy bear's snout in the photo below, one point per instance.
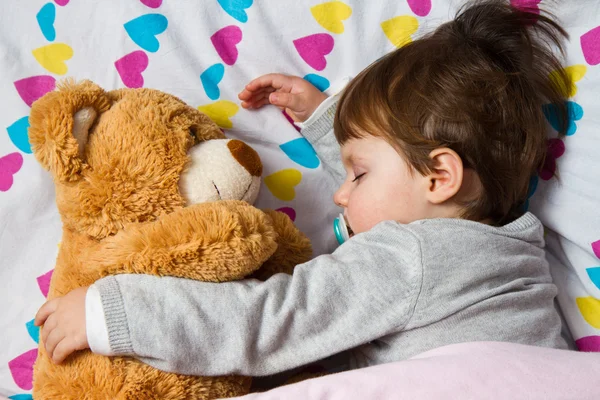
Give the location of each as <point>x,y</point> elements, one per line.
<point>221,169</point>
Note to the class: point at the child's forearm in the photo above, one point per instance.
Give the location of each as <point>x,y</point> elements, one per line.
<point>253,328</point>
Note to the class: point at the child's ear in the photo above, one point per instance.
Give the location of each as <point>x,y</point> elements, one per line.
<point>59,127</point>
<point>446,177</point>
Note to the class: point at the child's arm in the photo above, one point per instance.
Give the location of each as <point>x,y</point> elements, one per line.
<point>365,290</point>
<point>336,302</point>
<point>312,110</point>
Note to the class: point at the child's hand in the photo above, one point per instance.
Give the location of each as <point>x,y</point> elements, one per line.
<point>64,324</point>
<point>297,96</point>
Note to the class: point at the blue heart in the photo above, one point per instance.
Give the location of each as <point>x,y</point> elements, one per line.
<point>533,183</point>
<point>45,18</point>
<point>236,8</point>
<point>33,330</point>
<point>17,133</point>
<point>574,112</point>
<point>21,397</point>
<point>594,274</point>
<point>301,152</point>
<point>210,80</point>
<point>143,30</point>
<point>318,81</point>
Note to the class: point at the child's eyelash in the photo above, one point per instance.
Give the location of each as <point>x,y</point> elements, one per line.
<point>358,177</point>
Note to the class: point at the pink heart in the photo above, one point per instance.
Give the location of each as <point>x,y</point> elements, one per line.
<point>44,282</point>
<point>556,148</point>
<point>152,3</point>
<point>289,211</point>
<point>596,248</point>
<point>9,165</point>
<point>420,7</point>
<point>31,89</point>
<point>21,369</point>
<point>314,48</point>
<point>290,120</point>
<point>130,68</point>
<point>588,344</point>
<point>61,2</point>
<point>225,41</point>
<point>527,5</point>
<point>590,44</point>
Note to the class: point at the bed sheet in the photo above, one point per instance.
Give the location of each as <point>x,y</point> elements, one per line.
<point>204,52</point>
<point>488,370</point>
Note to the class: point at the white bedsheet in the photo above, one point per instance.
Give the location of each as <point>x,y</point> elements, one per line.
<point>175,45</point>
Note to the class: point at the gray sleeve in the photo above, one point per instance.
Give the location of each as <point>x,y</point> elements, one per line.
<point>320,135</point>
<point>363,291</point>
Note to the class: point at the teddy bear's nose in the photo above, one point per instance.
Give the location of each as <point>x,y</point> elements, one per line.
<point>246,156</point>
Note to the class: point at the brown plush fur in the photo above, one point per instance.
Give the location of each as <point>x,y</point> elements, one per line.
<point>122,212</point>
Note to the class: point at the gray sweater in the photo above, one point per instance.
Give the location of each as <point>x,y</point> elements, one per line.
<point>385,295</point>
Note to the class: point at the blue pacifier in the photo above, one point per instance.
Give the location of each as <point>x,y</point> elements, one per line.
<point>340,229</point>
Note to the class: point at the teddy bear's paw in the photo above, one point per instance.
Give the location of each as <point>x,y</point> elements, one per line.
<point>213,242</point>
<point>293,247</point>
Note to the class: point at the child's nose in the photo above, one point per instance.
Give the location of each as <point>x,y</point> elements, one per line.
<point>340,198</point>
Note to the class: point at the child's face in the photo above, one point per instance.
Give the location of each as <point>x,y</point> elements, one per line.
<point>379,186</point>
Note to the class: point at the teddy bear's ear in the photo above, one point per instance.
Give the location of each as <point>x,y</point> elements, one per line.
<point>59,127</point>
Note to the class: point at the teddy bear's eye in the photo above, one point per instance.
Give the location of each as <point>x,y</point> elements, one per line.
<point>192,133</point>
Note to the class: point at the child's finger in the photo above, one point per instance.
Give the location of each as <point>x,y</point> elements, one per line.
<point>62,350</point>
<point>48,308</point>
<point>247,94</point>
<point>52,339</point>
<point>276,81</point>
<point>257,101</point>
<point>260,103</point>
<point>49,326</point>
<point>285,100</point>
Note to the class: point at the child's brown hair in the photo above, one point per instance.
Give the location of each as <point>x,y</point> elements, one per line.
<point>475,85</point>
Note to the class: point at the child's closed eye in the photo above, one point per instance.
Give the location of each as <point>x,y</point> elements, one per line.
<point>358,177</point>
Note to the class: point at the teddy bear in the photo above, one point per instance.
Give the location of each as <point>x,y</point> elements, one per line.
<point>147,184</point>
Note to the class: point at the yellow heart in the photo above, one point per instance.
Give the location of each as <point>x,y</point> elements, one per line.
<point>282,183</point>
<point>53,56</point>
<point>220,112</point>
<point>589,307</point>
<point>399,29</point>
<point>330,15</point>
<point>575,72</point>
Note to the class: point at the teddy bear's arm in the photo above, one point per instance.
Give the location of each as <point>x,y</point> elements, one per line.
<point>214,242</point>
<point>293,247</point>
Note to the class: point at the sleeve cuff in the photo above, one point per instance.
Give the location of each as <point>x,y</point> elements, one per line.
<point>321,120</point>
<point>95,323</point>
<point>116,319</point>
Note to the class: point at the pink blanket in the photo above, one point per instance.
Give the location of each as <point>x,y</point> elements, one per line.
<point>484,370</point>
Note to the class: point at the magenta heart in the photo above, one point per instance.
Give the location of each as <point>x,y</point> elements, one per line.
<point>596,248</point>
<point>61,2</point>
<point>290,120</point>
<point>31,89</point>
<point>590,45</point>
<point>130,68</point>
<point>527,5</point>
<point>44,282</point>
<point>225,41</point>
<point>21,369</point>
<point>314,48</point>
<point>588,344</point>
<point>289,211</point>
<point>556,148</point>
<point>420,7</point>
<point>152,3</point>
<point>9,165</point>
